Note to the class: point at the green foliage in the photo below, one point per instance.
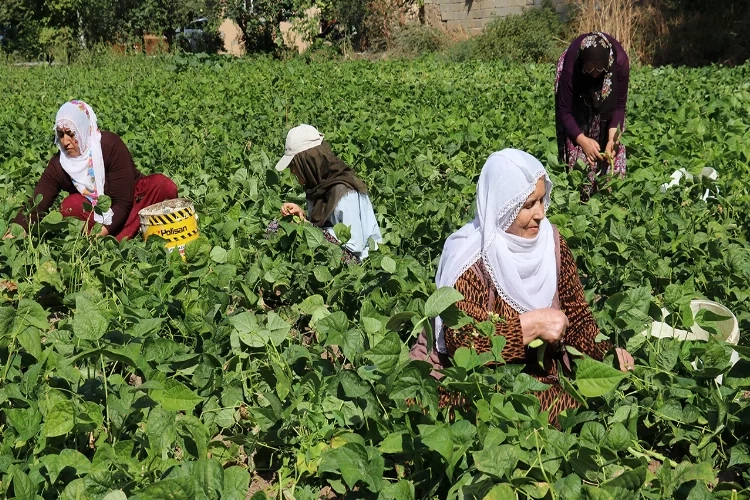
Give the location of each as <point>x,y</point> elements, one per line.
<point>258,20</point>
<point>533,36</point>
<point>416,40</point>
<point>351,15</point>
<point>125,370</point>
<point>19,28</point>
<point>461,51</point>
<point>61,29</point>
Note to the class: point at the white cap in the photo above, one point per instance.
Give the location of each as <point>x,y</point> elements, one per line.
<point>300,138</point>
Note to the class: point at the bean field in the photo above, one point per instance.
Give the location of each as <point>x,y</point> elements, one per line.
<point>262,366</point>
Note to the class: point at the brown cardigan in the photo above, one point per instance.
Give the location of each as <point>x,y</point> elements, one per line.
<point>121,176</point>
<point>581,332</point>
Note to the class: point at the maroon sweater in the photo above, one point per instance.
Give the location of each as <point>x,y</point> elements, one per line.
<point>565,87</point>
<point>120,178</point>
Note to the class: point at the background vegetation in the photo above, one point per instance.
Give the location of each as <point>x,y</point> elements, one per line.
<point>657,32</point>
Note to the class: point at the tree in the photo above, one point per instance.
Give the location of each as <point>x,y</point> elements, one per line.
<point>36,27</point>
<point>19,26</point>
<point>258,20</point>
<point>163,16</point>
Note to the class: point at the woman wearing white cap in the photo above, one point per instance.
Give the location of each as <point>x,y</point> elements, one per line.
<point>334,193</point>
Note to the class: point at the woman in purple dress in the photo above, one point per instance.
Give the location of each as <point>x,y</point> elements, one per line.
<point>591,91</point>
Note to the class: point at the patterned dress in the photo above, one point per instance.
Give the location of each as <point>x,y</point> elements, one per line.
<point>581,332</point>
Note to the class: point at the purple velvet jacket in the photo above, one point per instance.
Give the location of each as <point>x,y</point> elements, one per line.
<point>564,108</point>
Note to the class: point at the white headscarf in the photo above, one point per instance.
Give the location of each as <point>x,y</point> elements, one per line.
<point>87,169</point>
<point>523,270</point>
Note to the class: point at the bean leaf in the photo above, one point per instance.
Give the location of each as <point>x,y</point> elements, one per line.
<point>595,379</point>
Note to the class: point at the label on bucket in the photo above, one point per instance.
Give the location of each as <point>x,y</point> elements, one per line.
<point>176,231</point>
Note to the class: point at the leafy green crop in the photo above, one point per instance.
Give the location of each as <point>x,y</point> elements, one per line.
<point>264,365</point>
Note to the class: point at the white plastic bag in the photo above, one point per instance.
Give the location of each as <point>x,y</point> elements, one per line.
<point>677,176</point>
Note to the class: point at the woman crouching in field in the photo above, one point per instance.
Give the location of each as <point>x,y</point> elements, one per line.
<point>510,262</point>
<point>334,192</point>
<point>91,163</point>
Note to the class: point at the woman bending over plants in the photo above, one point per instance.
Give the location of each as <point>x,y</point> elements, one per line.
<point>334,192</point>
<point>96,168</point>
<point>591,92</point>
<point>514,269</point>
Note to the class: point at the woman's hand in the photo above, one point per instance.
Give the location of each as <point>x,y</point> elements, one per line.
<point>547,324</point>
<point>8,235</point>
<point>292,209</point>
<point>590,148</point>
<point>627,363</point>
<point>610,150</point>
<point>612,143</point>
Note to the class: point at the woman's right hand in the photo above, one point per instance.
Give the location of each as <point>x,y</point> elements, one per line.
<point>292,209</point>
<point>590,148</point>
<point>546,324</point>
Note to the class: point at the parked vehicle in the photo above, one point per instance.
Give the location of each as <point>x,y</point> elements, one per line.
<point>190,37</point>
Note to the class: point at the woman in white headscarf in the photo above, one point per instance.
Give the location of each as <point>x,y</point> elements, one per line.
<point>89,164</point>
<point>511,263</point>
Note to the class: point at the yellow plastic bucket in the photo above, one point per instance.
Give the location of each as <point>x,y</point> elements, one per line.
<point>174,220</point>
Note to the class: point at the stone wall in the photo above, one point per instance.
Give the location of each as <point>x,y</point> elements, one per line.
<point>472,15</point>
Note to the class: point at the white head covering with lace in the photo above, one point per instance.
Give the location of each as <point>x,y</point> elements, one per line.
<point>87,169</point>
<point>523,270</point>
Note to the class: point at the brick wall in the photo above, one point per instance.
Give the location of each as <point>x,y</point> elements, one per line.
<point>473,15</point>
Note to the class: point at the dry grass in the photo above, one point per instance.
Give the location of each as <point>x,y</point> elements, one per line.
<point>653,31</point>
<point>661,32</point>
<point>619,18</point>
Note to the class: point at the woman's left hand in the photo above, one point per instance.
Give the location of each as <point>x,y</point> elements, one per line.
<point>627,363</point>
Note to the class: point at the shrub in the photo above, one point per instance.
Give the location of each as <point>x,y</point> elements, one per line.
<point>378,25</point>
<point>461,51</point>
<point>211,42</point>
<point>416,40</point>
<point>529,37</point>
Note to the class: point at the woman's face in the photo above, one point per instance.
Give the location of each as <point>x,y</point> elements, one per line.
<point>594,66</point>
<point>527,222</point>
<point>68,141</point>
<point>593,72</point>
